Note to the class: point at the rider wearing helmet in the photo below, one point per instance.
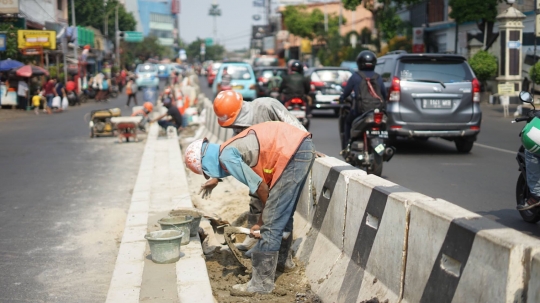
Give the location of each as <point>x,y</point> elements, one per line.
<point>274,82</point>
<point>366,62</point>
<point>273,159</point>
<point>295,85</point>
<point>233,112</point>
<point>530,138</point>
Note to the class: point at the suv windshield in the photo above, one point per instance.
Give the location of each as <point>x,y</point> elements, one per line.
<point>238,72</point>
<point>331,75</point>
<point>269,73</point>
<point>147,68</point>
<point>443,70</point>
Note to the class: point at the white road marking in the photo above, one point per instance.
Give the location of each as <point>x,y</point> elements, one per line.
<point>496,148</point>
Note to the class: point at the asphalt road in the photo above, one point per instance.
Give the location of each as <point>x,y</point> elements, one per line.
<point>63,204</point>
<point>482,181</point>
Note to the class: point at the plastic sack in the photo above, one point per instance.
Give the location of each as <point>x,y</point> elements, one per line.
<point>57,102</point>
<point>65,103</point>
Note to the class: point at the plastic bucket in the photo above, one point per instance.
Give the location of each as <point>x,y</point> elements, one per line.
<point>195,213</point>
<point>164,245</point>
<point>180,223</point>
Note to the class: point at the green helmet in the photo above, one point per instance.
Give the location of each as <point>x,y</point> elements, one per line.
<point>530,136</point>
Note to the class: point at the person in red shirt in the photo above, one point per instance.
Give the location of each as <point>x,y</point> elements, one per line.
<point>50,92</point>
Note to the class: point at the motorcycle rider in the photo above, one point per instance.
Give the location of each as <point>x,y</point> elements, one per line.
<point>233,112</point>
<point>366,62</point>
<point>295,85</point>
<point>532,162</point>
<point>274,82</point>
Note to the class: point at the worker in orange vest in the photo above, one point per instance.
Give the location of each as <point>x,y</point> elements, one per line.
<point>273,159</point>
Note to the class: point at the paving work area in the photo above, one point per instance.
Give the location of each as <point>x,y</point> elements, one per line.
<point>230,202</point>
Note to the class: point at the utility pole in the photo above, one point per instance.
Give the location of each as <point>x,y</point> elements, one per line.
<point>117,37</point>
<point>340,17</point>
<point>214,12</point>
<point>74,28</point>
<point>325,17</point>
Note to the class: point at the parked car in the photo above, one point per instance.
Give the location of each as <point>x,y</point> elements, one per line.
<point>211,72</point>
<point>243,79</point>
<point>431,95</point>
<point>327,84</point>
<point>147,75</point>
<point>264,74</point>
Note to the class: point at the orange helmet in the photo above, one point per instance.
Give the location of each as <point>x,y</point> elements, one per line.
<point>227,105</point>
<point>167,90</point>
<point>148,106</point>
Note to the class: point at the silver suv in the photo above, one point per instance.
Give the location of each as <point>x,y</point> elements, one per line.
<point>431,95</point>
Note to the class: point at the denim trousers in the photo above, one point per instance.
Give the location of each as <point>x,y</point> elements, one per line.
<point>532,164</point>
<point>49,99</point>
<point>166,123</point>
<point>281,204</point>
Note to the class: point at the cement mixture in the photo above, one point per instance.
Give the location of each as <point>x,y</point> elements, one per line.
<point>230,202</point>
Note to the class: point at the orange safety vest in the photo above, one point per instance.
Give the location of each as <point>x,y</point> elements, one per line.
<point>278,142</point>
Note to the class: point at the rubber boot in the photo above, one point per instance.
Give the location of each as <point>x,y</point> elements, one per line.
<point>285,261</point>
<point>248,241</point>
<point>262,277</point>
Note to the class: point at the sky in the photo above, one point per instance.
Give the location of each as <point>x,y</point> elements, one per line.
<point>233,26</point>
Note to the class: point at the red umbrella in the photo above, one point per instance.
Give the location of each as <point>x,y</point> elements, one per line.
<point>30,71</point>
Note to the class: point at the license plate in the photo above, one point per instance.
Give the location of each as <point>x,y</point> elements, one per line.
<point>298,113</point>
<point>436,103</point>
<point>238,87</point>
<point>381,134</point>
<point>332,92</point>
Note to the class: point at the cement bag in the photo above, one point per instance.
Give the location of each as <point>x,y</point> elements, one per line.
<point>57,102</point>
<point>65,103</point>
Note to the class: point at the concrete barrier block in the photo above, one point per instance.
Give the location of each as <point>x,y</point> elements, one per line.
<point>458,256</point>
<point>533,293</point>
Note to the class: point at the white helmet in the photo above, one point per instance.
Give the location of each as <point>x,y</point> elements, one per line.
<point>193,157</point>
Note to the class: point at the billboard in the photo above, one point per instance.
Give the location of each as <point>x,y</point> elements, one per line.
<point>33,38</point>
<point>9,6</point>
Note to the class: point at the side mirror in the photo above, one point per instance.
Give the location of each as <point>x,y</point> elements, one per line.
<point>525,97</point>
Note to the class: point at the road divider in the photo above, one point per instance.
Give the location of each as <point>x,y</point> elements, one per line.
<point>361,236</point>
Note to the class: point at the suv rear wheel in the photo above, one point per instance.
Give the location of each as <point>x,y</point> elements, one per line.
<point>464,145</point>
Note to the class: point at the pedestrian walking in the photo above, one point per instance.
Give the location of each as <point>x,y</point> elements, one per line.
<point>22,94</point>
<point>131,91</point>
<point>50,92</point>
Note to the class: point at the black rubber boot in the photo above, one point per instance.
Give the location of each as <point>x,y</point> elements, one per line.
<point>285,261</point>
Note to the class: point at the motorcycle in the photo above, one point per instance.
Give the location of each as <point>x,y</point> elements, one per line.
<point>72,98</point>
<point>367,148</point>
<point>87,94</point>
<point>297,107</point>
<point>530,214</point>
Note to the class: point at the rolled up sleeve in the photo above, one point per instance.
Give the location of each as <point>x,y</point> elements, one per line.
<point>232,160</point>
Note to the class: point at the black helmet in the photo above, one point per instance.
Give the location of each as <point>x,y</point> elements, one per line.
<point>275,72</point>
<point>366,60</point>
<point>296,66</point>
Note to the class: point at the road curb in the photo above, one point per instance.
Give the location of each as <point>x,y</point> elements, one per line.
<point>192,281</point>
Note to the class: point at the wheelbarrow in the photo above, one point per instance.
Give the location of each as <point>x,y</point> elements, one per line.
<point>126,127</point>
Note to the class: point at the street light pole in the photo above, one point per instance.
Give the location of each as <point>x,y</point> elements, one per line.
<point>74,28</point>
<point>117,37</point>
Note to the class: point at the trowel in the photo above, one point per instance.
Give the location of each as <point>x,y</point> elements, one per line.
<point>232,230</point>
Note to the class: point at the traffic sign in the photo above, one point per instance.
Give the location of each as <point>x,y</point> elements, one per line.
<point>514,44</point>
<point>133,37</point>
<point>209,41</point>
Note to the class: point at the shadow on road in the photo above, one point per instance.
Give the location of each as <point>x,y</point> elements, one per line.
<point>511,218</point>
<point>434,147</point>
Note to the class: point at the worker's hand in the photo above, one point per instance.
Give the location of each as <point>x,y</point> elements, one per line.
<point>319,154</point>
<point>255,231</point>
<point>206,188</point>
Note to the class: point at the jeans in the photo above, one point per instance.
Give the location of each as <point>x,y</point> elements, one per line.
<point>165,124</point>
<point>347,128</point>
<point>532,164</point>
<point>49,99</point>
<point>279,211</point>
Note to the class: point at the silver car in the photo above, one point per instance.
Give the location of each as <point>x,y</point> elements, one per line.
<point>431,95</point>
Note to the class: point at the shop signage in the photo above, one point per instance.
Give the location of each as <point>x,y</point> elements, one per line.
<point>33,38</point>
<point>3,42</point>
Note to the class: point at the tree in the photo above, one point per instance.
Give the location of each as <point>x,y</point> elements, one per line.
<point>483,12</point>
<point>381,9</point>
<point>310,25</point>
<point>93,13</point>
<point>484,66</point>
<point>12,50</point>
<point>213,52</point>
<point>141,51</point>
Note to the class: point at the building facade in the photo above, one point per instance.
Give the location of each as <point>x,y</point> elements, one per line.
<point>154,18</point>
